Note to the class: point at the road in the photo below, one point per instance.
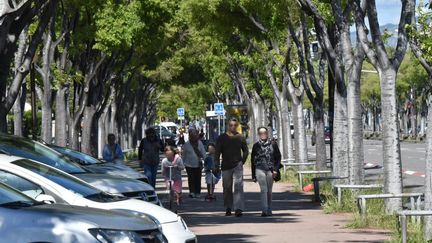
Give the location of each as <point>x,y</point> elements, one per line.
<point>413,162</point>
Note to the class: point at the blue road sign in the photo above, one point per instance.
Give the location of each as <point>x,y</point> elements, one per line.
<point>180,111</point>
<point>219,109</point>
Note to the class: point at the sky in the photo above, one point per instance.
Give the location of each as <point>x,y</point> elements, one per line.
<point>388,11</point>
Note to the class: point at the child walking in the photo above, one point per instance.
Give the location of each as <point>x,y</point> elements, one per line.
<point>211,171</point>
<point>173,162</point>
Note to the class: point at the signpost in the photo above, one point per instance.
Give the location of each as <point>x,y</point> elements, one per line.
<point>181,114</point>
<point>219,111</point>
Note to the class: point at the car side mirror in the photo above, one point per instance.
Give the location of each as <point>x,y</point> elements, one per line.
<point>48,199</point>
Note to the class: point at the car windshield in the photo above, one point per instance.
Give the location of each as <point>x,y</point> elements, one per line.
<point>67,181</point>
<point>10,197</point>
<point>29,149</point>
<point>81,158</point>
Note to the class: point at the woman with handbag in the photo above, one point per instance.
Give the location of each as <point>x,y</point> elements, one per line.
<point>193,153</point>
<point>266,159</point>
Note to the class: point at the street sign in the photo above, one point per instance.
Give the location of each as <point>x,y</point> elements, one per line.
<point>219,109</point>
<point>180,112</point>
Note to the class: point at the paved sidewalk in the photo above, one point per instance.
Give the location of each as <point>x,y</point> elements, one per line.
<point>295,219</point>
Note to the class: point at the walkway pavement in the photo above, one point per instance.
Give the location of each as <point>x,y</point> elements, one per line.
<point>296,218</point>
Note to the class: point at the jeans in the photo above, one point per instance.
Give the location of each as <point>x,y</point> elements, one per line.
<point>194,179</point>
<point>150,171</point>
<point>234,177</point>
<point>265,181</point>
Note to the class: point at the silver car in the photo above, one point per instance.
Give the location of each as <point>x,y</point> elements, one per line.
<point>94,165</point>
<point>26,220</point>
<point>30,149</point>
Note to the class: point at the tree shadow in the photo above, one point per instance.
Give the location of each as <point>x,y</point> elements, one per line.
<point>216,238</point>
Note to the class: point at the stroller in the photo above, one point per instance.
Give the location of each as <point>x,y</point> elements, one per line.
<point>211,180</point>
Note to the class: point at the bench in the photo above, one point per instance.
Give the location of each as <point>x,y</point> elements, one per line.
<point>304,172</point>
<point>316,181</point>
<point>340,187</point>
<point>402,216</point>
<point>415,200</point>
<point>288,163</point>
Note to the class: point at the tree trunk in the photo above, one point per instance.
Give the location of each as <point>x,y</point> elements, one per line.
<point>61,117</point>
<point>299,131</point>
<point>18,110</point>
<point>355,128</point>
<point>88,119</point>
<point>320,146</point>
<point>391,146</point>
<point>428,180</point>
<point>20,101</point>
<point>340,136</point>
<point>285,130</point>
<point>46,118</point>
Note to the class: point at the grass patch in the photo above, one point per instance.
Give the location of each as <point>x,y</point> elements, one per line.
<point>291,176</point>
<point>414,233</point>
<point>131,155</point>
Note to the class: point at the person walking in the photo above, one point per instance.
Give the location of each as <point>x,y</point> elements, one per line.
<point>172,167</point>
<point>112,151</point>
<point>266,159</point>
<point>211,171</point>
<point>193,152</point>
<point>148,154</point>
<point>234,150</point>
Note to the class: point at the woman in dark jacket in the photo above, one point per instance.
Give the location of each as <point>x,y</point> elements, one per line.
<point>266,159</point>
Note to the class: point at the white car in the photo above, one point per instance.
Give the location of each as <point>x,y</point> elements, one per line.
<point>38,180</point>
<point>64,223</point>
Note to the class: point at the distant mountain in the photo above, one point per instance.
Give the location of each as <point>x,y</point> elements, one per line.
<point>391,28</point>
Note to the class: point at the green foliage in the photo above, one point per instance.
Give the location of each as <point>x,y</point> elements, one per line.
<point>193,98</point>
<point>118,24</point>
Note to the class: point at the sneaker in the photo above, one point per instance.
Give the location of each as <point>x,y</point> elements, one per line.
<point>238,213</point>
<point>269,212</point>
<point>197,195</point>
<point>191,195</point>
<point>264,214</point>
<point>228,212</point>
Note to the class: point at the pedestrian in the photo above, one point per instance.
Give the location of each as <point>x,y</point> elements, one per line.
<point>211,171</point>
<point>181,138</point>
<point>112,151</point>
<point>193,152</point>
<point>172,167</point>
<point>233,148</point>
<point>148,154</point>
<point>266,159</point>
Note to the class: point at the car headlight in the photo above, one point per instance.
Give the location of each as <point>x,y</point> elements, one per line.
<point>183,223</point>
<point>110,236</point>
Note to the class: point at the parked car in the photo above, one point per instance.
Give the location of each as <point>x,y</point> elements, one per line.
<point>34,150</point>
<point>33,179</point>
<point>24,219</point>
<point>327,136</point>
<point>94,165</point>
<point>168,137</point>
<point>171,126</point>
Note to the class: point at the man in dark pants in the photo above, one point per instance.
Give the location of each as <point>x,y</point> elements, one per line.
<point>148,154</point>
<point>233,148</point>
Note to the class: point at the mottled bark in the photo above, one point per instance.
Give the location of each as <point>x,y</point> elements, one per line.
<point>18,108</point>
<point>8,95</point>
<point>387,68</point>
<point>61,116</point>
<point>428,179</point>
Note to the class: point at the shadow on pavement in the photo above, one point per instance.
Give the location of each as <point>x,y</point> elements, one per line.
<point>198,212</point>
<point>225,238</point>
